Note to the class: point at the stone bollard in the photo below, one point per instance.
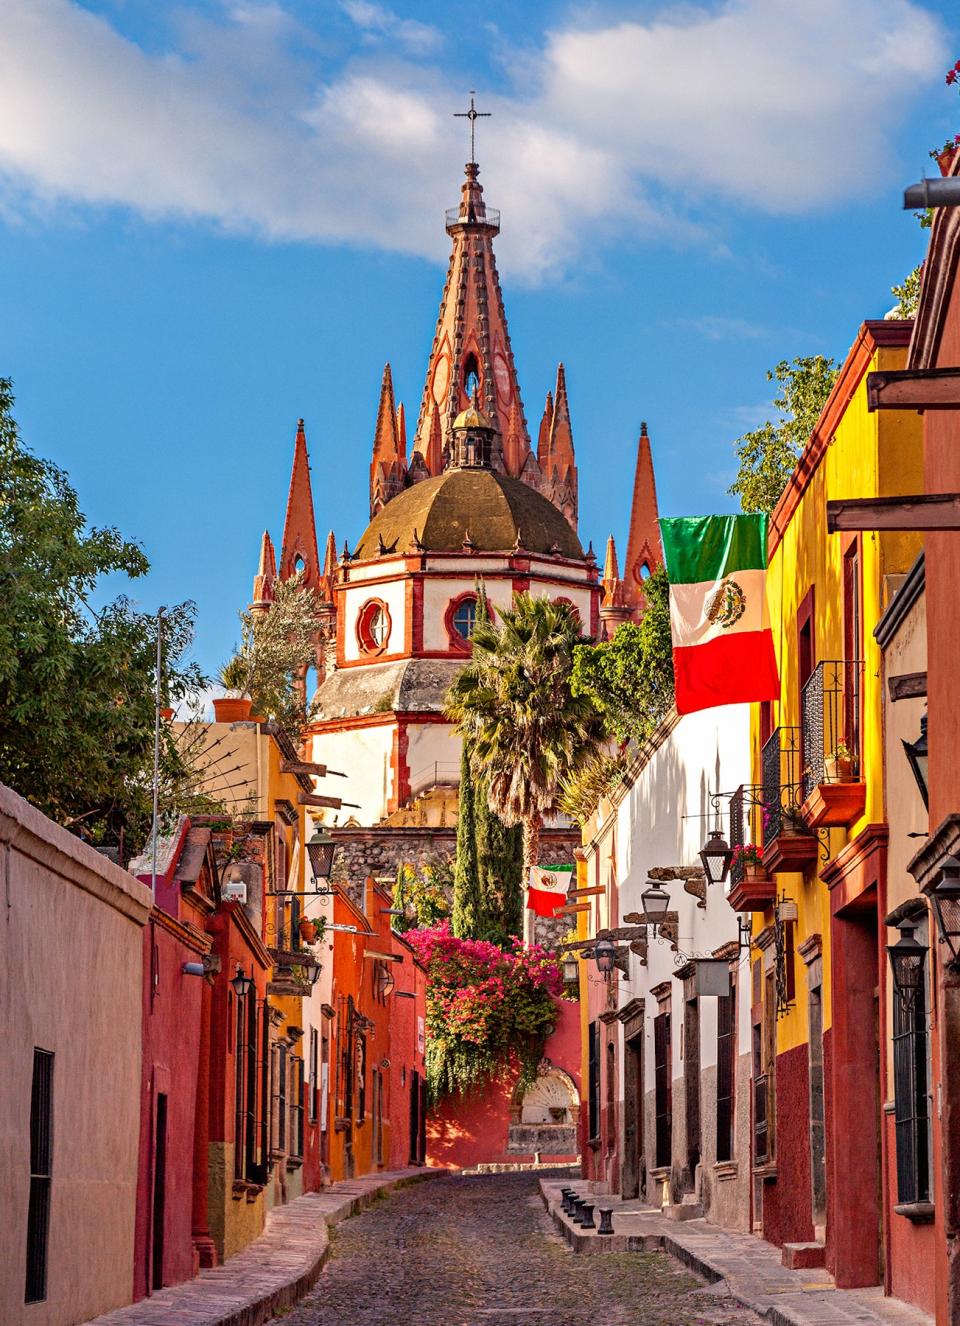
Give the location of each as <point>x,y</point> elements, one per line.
<point>566,1196</point>
<point>586,1216</point>
<point>576,1208</point>
<point>606,1220</point>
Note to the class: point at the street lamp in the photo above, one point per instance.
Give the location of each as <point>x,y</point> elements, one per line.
<point>916,753</point>
<point>571,970</point>
<point>604,954</point>
<point>320,849</point>
<point>716,856</point>
<point>945,893</point>
<point>907,957</point>
<point>656,903</point>
<point>242,983</point>
<point>312,967</point>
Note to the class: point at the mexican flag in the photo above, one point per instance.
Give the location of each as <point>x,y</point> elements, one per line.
<point>547,891</point>
<point>722,643</point>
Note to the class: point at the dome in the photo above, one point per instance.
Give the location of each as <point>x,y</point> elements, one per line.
<point>491,508</point>
<point>472,417</point>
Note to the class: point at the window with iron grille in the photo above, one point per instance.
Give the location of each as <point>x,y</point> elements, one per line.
<point>240,1089</point>
<point>361,1077</point>
<point>911,1080</point>
<point>663,1087</point>
<point>296,1107</point>
<point>593,1078</point>
<point>726,1060</point>
<point>250,1090</point>
<point>41,1164</point>
<point>263,1112</point>
<point>312,1077</point>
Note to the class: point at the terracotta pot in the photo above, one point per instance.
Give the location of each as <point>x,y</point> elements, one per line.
<point>308,930</point>
<point>754,872</point>
<point>232,709</point>
<point>945,159</point>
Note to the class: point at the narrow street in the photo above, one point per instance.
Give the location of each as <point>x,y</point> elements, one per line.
<point>461,1250</point>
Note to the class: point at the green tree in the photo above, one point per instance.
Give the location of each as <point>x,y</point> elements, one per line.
<point>769,453</point>
<point>466,873</point>
<point>513,703</point>
<point>77,681</point>
<point>276,649</point>
<point>908,294</point>
<point>500,868</point>
<point>630,678</point>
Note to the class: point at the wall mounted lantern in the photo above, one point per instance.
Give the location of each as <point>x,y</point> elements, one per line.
<point>656,903</point>
<point>907,957</point>
<point>944,892</point>
<point>312,967</point>
<point>571,970</point>
<point>320,849</point>
<point>242,983</point>
<point>604,954</point>
<point>716,856</point>
<point>916,753</point>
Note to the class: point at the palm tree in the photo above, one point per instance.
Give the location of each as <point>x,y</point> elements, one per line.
<point>512,703</point>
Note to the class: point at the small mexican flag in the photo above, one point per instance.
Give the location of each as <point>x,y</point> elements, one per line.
<point>547,891</point>
<point>722,643</point>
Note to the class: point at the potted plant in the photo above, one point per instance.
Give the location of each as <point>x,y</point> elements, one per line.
<point>792,822</point>
<point>838,766</point>
<point>750,857</point>
<point>310,930</point>
<point>944,155</point>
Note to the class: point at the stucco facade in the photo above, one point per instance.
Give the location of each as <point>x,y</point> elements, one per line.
<point>71,939</point>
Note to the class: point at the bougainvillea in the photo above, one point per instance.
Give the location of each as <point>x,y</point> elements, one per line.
<point>489,1011</point>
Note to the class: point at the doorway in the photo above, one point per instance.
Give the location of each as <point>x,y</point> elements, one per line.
<point>632,1116</point>
<point>159,1191</point>
<point>818,1137</point>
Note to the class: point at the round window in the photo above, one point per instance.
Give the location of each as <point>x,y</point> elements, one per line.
<point>373,626</point>
<point>465,618</point>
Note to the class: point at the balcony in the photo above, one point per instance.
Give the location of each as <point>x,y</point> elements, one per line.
<point>834,794</point>
<point>788,843</point>
<point>752,889</point>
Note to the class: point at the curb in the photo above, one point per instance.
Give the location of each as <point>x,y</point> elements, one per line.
<point>273,1272</point>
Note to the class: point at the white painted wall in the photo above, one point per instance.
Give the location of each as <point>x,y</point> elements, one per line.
<point>390,592</point>
<point>437,593</point>
<point>432,744</point>
<point>705,752</point>
<point>364,755</point>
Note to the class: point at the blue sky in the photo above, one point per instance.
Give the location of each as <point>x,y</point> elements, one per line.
<point>217,217</point>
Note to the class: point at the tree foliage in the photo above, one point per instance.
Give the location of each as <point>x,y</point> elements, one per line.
<point>488,874</point>
<point>276,648</point>
<point>907,294</point>
<point>428,888</point>
<point>514,705</point>
<point>77,681</point>
<point>581,791</point>
<point>768,454</point>
<point>630,678</point>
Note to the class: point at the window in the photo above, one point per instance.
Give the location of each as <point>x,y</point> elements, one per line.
<point>594,1082</point>
<point>611,1096</point>
<point>41,1161</point>
<point>911,1086</point>
<point>662,1087</point>
<point>726,1060</point>
<point>245,1086</point>
<point>465,618</point>
<point>312,1078</point>
<point>296,1107</point>
<point>373,626</point>
<point>361,1077</point>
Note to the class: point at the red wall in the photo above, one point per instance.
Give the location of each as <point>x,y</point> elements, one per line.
<point>171,1048</point>
<point>406,1058</point>
<point>472,1130</point>
<point>788,1200</point>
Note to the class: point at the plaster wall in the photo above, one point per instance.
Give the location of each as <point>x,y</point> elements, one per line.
<point>433,755</point>
<point>390,592</point>
<point>71,966</point>
<point>437,593</point>
<point>364,754</point>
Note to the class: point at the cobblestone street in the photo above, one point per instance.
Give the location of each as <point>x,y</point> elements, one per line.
<point>469,1250</point>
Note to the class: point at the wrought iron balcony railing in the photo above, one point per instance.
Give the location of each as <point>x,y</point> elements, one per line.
<point>746,826</point>
<point>780,766</point>
<point>830,723</point>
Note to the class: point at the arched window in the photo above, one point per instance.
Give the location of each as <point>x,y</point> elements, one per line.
<point>373,626</point>
<point>471,375</point>
<point>465,618</point>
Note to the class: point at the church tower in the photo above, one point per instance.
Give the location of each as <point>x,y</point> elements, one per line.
<point>644,550</point>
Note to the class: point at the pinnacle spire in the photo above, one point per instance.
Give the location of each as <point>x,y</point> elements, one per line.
<point>298,550</point>
<point>265,579</point>
<point>388,467</point>
<point>611,568</point>
<point>543,438</point>
<point>644,550</point>
<point>613,606</point>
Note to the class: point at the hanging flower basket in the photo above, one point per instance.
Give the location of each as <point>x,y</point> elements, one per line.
<point>308,930</point>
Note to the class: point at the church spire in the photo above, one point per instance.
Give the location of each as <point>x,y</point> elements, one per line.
<point>389,464</point>
<point>560,471</point>
<point>471,346</point>
<point>644,551</point>
<point>298,550</point>
<point>266,577</point>
<point>613,606</point>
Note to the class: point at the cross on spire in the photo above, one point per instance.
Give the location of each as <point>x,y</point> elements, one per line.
<point>472,115</point>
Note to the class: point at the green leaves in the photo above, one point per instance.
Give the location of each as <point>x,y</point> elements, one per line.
<point>769,453</point>
<point>77,683</point>
<point>630,678</point>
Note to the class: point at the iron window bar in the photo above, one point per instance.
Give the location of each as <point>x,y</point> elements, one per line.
<point>780,765</point>
<point>830,722</point>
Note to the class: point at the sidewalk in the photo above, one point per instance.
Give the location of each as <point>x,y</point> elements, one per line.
<point>751,1268</point>
<point>273,1272</point>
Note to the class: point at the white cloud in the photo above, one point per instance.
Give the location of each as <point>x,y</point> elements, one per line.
<point>715,327</point>
<point>378,22</point>
<point>634,128</point>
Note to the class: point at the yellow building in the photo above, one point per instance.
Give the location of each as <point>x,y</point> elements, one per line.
<point>817,808</point>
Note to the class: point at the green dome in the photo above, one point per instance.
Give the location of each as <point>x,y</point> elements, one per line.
<point>492,509</point>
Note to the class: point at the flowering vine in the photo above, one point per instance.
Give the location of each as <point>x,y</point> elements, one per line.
<point>489,1010</point>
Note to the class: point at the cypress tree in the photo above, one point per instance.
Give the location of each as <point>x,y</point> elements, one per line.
<point>499,853</point>
<point>466,875</point>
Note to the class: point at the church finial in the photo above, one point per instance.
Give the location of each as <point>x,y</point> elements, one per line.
<point>298,549</point>
<point>644,551</point>
<point>472,115</point>
<point>265,579</point>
